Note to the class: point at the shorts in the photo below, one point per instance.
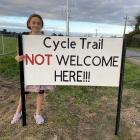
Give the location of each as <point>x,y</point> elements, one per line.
<point>40,92</point>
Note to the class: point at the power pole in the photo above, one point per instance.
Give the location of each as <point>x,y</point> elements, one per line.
<point>96,32</point>
<point>67,24</point>
<point>126,18</point>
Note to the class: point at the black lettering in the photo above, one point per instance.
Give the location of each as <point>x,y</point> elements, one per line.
<point>95,45</point>
<point>107,63</point>
<point>62,59</point>
<point>115,57</point>
<point>79,76</point>
<point>44,42</point>
<point>63,43</point>
<point>85,60</point>
<point>93,60</point>
<point>57,75</point>
<point>65,75</point>
<point>72,75</point>
<point>72,59</point>
<point>55,45</point>
<point>83,42</point>
<point>73,44</point>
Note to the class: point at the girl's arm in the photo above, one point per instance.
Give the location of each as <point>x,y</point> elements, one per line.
<point>20,58</point>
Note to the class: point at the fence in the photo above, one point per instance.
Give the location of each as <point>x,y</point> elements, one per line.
<point>8,44</point>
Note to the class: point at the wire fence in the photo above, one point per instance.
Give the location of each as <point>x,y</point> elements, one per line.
<point>8,44</point>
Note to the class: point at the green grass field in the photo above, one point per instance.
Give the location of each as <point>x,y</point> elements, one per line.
<point>10,44</point>
<point>73,112</point>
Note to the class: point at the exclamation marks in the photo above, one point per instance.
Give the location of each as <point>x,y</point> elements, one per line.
<point>86,76</point>
<point>89,76</point>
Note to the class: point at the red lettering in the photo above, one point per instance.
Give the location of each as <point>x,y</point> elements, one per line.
<point>28,58</point>
<point>48,57</point>
<point>41,57</point>
<point>38,59</point>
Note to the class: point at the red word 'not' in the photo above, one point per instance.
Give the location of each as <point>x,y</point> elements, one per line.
<point>38,59</point>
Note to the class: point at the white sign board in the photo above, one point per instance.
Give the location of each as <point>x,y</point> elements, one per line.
<point>61,60</point>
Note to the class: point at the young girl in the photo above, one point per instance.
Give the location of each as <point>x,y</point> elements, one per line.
<point>34,24</point>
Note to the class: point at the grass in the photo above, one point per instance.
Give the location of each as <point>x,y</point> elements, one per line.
<point>9,68</point>
<point>73,112</point>
<point>10,44</point>
<point>132,76</point>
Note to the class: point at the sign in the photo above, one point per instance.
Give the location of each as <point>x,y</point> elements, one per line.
<point>61,60</point>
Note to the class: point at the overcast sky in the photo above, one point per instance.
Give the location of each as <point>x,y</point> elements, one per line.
<point>103,12</point>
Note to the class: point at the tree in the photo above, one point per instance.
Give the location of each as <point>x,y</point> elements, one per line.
<point>137,24</point>
<point>133,38</point>
<point>4,31</point>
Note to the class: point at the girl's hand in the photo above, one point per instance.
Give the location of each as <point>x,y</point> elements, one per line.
<point>20,58</point>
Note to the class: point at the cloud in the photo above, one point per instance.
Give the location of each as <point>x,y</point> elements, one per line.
<point>98,11</point>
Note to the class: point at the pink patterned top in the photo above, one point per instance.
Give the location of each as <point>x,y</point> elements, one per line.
<point>37,88</point>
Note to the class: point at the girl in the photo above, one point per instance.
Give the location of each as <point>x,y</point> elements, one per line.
<point>34,24</point>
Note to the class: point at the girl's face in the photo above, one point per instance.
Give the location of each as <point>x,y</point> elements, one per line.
<point>35,24</point>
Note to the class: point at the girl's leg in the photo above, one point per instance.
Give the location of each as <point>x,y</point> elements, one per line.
<point>18,114</point>
<point>39,102</point>
<point>19,107</point>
